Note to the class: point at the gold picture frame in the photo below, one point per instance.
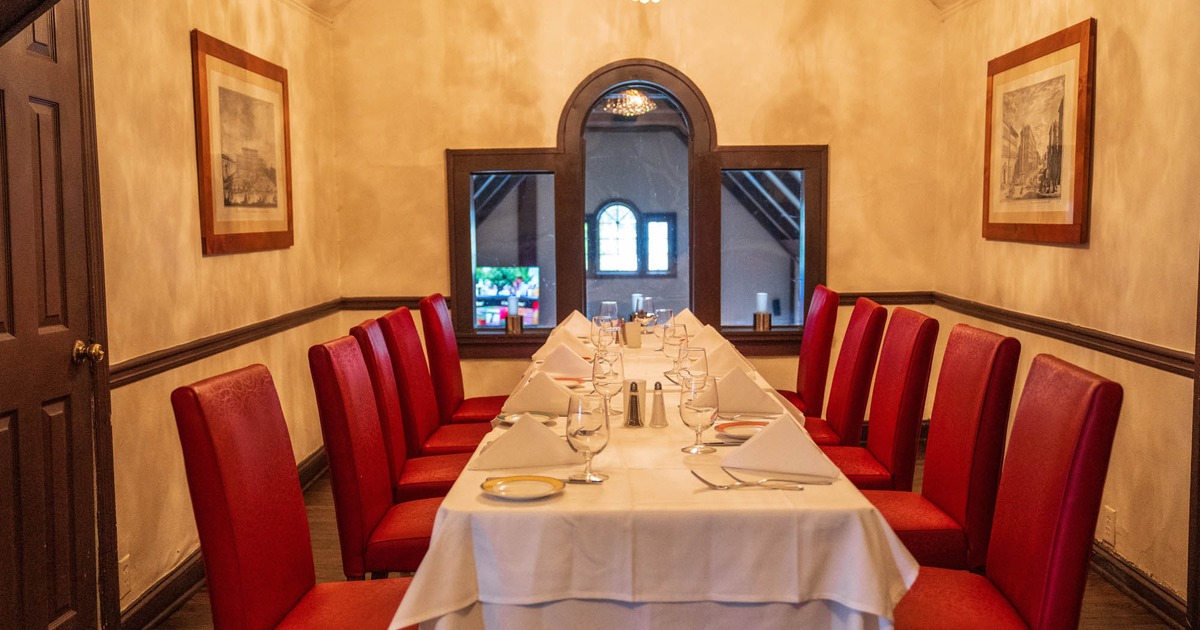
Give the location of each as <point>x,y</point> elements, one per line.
<point>1038,139</point>
<point>243,149</point>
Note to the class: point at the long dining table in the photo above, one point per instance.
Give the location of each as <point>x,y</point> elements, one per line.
<point>652,547</point>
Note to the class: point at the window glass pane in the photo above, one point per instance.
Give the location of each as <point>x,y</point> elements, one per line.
<point>638,160</point>
<point>513,247</point>
<point>657,246</point>
<point>762,245</point>
<point>618,238</point>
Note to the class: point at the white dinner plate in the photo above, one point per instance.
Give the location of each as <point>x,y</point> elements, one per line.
<point>742,430</point>
<point>508,419</point>
<point>522,487</point>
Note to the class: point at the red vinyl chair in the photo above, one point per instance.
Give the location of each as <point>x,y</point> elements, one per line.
<point>897,404</point>
<point>425,434</point>
<point>843,420</point>
<point>412,477</point>
<point>249,510</point>
<point>813,368</point>
<point>948,524</point>
<point>446,368</point>
<point>377,535</point>
<point>1046,510</point>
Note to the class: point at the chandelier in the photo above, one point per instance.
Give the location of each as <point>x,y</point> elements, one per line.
<point>631,102</point>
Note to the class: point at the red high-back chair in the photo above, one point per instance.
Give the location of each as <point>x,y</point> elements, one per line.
<point>948,524</point>
<point>412,477</point>
<point>250,514</point>
<point>445,367</point>
<point>376,534</point>
<point>851,378</point>
<point>425,433</point>
<point>1046,510</point>
<point>813,368</point>
<point>897,404</point>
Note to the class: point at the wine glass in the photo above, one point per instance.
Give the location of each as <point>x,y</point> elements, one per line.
<point>697,409</point>
<point>608,376</point>
<point>609,308</point>
<point>693,362</point>
<point>675,341</point>
<point>662,319</point>
<point>647,316</point>
<point>602,329</point>
<point>587,433</point>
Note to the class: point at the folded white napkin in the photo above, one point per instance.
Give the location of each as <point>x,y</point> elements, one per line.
<point>528,443</point>
<point>688,319</point>
<point>706,337</point>
<point>738,393</point>
<point>577,324</point>
<point>563,361</point>
<point>541,393</point>
<point>724,359</point>
<point>562,337</point>
<point>782,447</point>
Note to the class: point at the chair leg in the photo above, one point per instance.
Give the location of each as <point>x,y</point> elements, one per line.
<point>379,575</point>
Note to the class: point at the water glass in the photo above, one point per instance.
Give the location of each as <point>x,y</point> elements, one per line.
<point>603,331</point>
<point>693,362</point>
<point>675,341</point>
<point>698,408</point>
<point>587,433</point>
<point>608,376</point>
<point>609,308</point>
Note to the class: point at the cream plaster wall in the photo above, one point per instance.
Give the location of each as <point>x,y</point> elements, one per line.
<point>415,78</point>
<point>161,292</point>
<point>1137,276</point>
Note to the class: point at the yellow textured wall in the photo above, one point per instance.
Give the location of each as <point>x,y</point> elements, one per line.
<point>1137,276</point>
<point>415,78</point>
<point>161,292</point>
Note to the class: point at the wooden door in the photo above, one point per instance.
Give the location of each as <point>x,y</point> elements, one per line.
<point>48,532</point>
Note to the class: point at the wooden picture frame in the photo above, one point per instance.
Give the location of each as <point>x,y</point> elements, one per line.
<point>243,149</point>
<point>1038,139</point>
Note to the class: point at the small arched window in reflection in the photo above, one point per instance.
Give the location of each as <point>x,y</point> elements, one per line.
<point>617,232</point>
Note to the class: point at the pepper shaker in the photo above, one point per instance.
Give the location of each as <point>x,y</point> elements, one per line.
<point>658,409</point>
<point>633,406</point>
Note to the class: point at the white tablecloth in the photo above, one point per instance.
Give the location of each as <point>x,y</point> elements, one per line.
<point>652,545</point>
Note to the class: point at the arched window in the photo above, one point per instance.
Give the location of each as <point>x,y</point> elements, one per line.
<point>617,233</point>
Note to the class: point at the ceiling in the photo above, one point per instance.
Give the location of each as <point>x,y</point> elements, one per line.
<point>330,8</point>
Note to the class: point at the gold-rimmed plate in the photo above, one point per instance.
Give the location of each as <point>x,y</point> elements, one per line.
<point>508,419</point>
<point>523,487</point>
<point>741,430</point>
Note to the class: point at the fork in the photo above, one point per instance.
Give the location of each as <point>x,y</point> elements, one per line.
<point>765,483</point>
<point>763,480</point>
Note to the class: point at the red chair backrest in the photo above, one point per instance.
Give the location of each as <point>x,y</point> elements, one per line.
<point>246,497</point>
<point>362,488</point>
<point>369,336</point>
<point>417,401</point>
<point>815,347</point>
<point>1050,489</point>
<point>898,399</point>
<point>966,431</point>
<point>855,365</point>
<point>442,348</point>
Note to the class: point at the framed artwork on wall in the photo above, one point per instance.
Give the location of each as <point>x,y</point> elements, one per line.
<point>243,150</point>
<point>1038,139</point>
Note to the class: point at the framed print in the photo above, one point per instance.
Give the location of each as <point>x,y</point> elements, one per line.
<point>1038,139</point>
<point>243,150</point>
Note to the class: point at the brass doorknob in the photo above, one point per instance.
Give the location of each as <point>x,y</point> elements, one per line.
<point>81,352</point>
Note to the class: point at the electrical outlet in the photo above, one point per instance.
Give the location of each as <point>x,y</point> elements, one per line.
<point>1110,526</point>
<point>123,569</point>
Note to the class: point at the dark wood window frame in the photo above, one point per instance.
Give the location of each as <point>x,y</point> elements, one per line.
<point>706,161</point>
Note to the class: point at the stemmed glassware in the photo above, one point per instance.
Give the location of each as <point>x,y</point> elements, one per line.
<point>662,319</point>
<point>647,316</point>
<point>604,332</point>
<point>608,376</point>
<point>587,433</point>
<point>609,308</point>
<point>698,408</point>
<point>675,341</point>
<point>693,362</point>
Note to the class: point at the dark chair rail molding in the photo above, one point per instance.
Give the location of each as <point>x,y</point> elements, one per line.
<point>776,343</point>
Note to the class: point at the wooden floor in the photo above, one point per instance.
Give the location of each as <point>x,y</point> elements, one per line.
<point>1103,605</point>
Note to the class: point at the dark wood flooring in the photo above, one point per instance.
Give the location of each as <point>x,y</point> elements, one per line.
<point>1103,605</point>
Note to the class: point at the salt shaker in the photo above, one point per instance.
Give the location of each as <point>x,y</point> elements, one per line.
<point>658,409</point>
<point>633,406</point>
